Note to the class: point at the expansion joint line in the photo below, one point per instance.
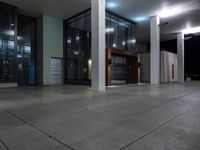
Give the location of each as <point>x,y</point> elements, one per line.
<point>33,126</point>
<point>3,143</point>
<point>159,127</point>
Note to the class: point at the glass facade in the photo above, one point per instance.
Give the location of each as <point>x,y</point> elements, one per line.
<point>17,47</point>
<point>120,34</point>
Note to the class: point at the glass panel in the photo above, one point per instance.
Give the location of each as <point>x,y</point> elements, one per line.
<point>131,40</point>
<point>114,34</point>
<point>26,65</point>
<point>7,45</point>
<point>118,70</point>
<point>79,48</point>
<point>120,33</point>
<point>108,33</point>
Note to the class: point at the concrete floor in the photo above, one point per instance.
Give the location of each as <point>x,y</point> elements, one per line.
<point>164,117</point>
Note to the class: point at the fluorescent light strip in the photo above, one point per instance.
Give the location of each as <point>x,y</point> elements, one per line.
<point>168,12</point>
<point>109,30</point>
<point>191,30</point>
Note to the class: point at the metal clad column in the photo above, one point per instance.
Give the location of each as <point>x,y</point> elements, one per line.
<point>180,57</point>
<point>155,50</point>
<point>98,45</point>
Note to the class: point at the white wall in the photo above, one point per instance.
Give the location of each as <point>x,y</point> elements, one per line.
<point>167,61</point>
<point>50,44</point>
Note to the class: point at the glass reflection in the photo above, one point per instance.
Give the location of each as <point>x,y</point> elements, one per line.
<point>17,52</point>
<point>26,64</point>
<point>7,45</point>
<point>119,32</point>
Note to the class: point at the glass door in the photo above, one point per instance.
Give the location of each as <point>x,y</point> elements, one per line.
<point>118,70</point>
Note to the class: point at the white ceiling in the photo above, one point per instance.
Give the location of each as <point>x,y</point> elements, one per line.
<point>131,9</point>
<point>190,15</point>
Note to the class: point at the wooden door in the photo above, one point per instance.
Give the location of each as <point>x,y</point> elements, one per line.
<point>132,64</point>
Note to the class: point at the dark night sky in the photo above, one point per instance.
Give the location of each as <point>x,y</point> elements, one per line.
<point>192,56</point>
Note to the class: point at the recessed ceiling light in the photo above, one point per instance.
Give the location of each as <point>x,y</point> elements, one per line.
<point>112,5</point>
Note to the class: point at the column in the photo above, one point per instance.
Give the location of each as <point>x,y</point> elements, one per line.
<point>49,44</point>
<point>180,57</point>
<point>98,45</point>
<point>155,50</point>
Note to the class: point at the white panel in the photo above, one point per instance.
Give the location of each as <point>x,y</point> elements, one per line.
<point>98,45</point>
<point>56,71</point>
<point>168,60</point>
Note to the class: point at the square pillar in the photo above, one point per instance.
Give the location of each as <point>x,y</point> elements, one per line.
<point>180,57</point>
<point>155,50</point>
<point>98,45</point>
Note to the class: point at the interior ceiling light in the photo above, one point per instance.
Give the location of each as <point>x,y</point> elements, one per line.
<point>69,41</point>
<point>19,37</point>
<point>132,41</point>
<point>9,32</point>
<point>192,30</point>
<point>168,12</point>
<point>111,5</point>
<point>114,45</point>
<point>109,30</point>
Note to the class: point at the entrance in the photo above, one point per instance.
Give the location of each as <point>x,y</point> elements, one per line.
<point>121,67</point>
<point>119,70</point>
